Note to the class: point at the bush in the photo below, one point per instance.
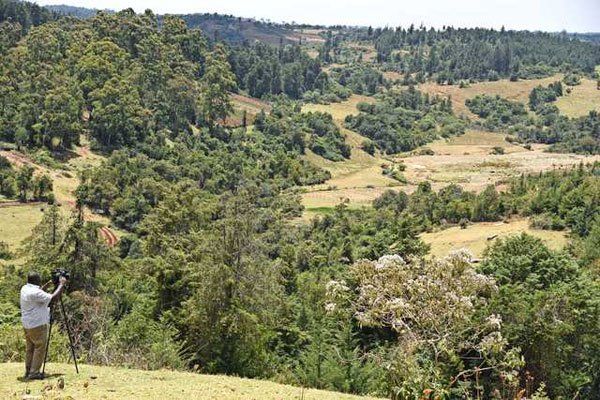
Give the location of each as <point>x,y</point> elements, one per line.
<point>497,150</point>
<point>547,222</point>
<point>368,146</point>
<point>5,254</point>
<point>142,342</point>
<point>572,79</point>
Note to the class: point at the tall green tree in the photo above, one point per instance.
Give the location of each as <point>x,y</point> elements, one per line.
<point>215,85</point>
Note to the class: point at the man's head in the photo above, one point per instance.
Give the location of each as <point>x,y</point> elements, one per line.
<point>34,278</point>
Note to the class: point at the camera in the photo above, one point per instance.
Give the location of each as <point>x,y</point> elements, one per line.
<point>57,273</point>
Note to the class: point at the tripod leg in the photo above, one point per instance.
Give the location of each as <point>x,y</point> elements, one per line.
<point>48,340</point>
<point>62,307</point>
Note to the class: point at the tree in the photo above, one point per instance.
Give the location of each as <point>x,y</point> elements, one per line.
<point>432,308</point>
<point>215,85</point>
<point>547,303</point>
<point>42,188</point>
<point>24,182</point>
<point>118,117</point>
<point>42,248</point>
<point>61,118</point>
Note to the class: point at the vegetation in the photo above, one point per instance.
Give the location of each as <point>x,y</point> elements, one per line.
<point>212,273</point>
<point>449,54</point>
<point>577,135</point>
<point>404,120</point>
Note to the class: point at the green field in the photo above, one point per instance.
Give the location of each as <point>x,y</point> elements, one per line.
<point>95,383</point>
<point>17,223</point>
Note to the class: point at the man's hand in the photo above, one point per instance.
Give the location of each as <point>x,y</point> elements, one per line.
<point>62,281</point>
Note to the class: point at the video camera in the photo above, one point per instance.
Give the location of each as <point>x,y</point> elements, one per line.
<point>57,273</point>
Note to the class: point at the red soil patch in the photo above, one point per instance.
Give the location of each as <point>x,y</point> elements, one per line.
<point>109,236</point>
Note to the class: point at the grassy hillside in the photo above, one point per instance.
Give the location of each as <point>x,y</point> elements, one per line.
<point>112,383</point>
<point>478,236</point>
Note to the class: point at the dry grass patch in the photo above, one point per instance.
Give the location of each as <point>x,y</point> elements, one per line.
<point>517,91</point>
<point>475,237</point>
<point>583,98</point>
<point>360,179</point>
<point>339,111</point>
<point>250,105</point>
<point>466,160</point>
<point>127,384</point>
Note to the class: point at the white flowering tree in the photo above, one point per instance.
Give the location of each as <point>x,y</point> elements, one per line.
<point>447,347</point>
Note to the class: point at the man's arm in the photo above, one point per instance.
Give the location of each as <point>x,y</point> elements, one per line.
<point>61,286</point>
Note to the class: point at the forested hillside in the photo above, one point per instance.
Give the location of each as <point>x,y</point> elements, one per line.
<point>215,272</point>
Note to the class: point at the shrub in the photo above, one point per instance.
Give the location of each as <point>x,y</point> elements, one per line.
<point>497,150</point>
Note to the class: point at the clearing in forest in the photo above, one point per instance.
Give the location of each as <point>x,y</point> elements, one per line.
<point>356,179</point>
<point>476,237</point>
<point>465,160</point>
<point>583,98</point>
<point>18,219</point>
<point>250,105</point>
<point>95,383</point>
<point>516,91</point>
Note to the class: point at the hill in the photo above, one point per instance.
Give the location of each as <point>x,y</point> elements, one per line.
<point>232,29</point>
<point>78,12</point>
<point>119,383</point>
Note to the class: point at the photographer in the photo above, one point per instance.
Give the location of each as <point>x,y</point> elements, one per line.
<point>35,316</point>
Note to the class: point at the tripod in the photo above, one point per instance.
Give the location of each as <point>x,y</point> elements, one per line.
<point>62,309</point>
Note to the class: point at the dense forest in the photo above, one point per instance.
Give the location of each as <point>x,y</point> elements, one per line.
<point>450,54</point>
<point>213,272</point>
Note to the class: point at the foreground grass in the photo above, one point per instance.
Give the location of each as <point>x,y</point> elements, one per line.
<point>95,383</point>
<point>475,237</point>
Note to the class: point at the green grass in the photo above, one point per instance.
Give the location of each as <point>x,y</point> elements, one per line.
<point>17,223</point>
<point>124,384</point>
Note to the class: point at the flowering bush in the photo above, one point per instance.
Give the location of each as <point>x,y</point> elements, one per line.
<point>444,345</point>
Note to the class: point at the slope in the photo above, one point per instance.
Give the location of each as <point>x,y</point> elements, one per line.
<point>117,383</point>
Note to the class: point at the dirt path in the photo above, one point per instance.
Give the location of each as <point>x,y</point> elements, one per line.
<point>109,236</point>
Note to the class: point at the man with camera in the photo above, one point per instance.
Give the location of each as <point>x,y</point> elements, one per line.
<point>35,315</point>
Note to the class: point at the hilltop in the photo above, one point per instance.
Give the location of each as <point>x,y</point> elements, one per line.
<point>118,383</point>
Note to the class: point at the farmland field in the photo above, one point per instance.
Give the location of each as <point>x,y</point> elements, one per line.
<point>517,91</point>
<point>17,223</point>
<point>464,160</point>
<point>478,236</point>
<point>583,98</point>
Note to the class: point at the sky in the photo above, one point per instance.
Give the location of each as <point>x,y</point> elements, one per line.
<point>545,15</point>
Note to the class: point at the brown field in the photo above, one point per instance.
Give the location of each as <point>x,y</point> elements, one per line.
<point>475,237</point>
<point>583,98</point>
<point>368,50</point>
<point>463,160</point>
<point>517,91</point>
<point>466,160</point>
<point>307,35</point>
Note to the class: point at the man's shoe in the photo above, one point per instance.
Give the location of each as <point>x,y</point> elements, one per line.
<point>36,376</point>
